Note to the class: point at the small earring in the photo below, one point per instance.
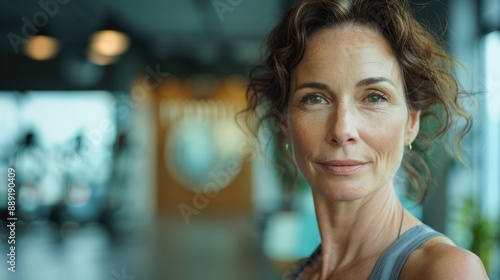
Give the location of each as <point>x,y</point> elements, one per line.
<point>410,147</point>
<point>287,146</point>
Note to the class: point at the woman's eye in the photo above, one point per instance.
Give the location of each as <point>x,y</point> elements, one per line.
<point>313,99</point>
<point>376,97</point>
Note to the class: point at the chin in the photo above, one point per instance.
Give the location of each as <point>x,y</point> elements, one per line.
<point>341,191</point>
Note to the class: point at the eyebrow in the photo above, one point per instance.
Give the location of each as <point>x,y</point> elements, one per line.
<point>315,85</point>
<point>364,82</point>
<point>374,80</point>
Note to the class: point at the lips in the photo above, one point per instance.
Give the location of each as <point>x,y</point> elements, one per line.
<point>343,167</point>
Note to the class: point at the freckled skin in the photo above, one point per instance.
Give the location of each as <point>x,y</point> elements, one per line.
<point>347,101</point>
<point>347,123</point>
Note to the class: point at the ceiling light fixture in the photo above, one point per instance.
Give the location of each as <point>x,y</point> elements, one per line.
<point>109,42</point>
<point>41,47</point>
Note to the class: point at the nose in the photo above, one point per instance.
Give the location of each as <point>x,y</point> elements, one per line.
<point>342,127</point>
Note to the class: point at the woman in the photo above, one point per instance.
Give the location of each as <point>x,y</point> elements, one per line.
<point>347,82</point>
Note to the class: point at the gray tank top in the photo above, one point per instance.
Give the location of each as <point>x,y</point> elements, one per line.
<point>390,264</point>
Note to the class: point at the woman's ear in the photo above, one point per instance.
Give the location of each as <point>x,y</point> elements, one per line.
<point>413,126</point>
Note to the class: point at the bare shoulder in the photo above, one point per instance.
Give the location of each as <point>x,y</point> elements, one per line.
<point>439,258</point>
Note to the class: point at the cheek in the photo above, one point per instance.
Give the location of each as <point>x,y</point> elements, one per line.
<point>301,140</point>
<point>387,138</point>
<point>306,135</point>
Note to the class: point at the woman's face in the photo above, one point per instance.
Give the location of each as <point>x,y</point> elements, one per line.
<point>347,118</point>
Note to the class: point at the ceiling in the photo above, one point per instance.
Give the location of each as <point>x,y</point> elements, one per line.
<point>162,25</point>
<point>194,35</point>
<point>180,36</point>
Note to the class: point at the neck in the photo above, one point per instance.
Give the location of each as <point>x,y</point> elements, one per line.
<point>354,231</point>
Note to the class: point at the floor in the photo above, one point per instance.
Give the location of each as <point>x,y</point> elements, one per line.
<point>217,248</point>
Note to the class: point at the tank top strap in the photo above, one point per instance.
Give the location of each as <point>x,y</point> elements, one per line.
<point>390,264</point>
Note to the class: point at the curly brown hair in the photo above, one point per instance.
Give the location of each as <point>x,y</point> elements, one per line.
<point>426,68</point>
